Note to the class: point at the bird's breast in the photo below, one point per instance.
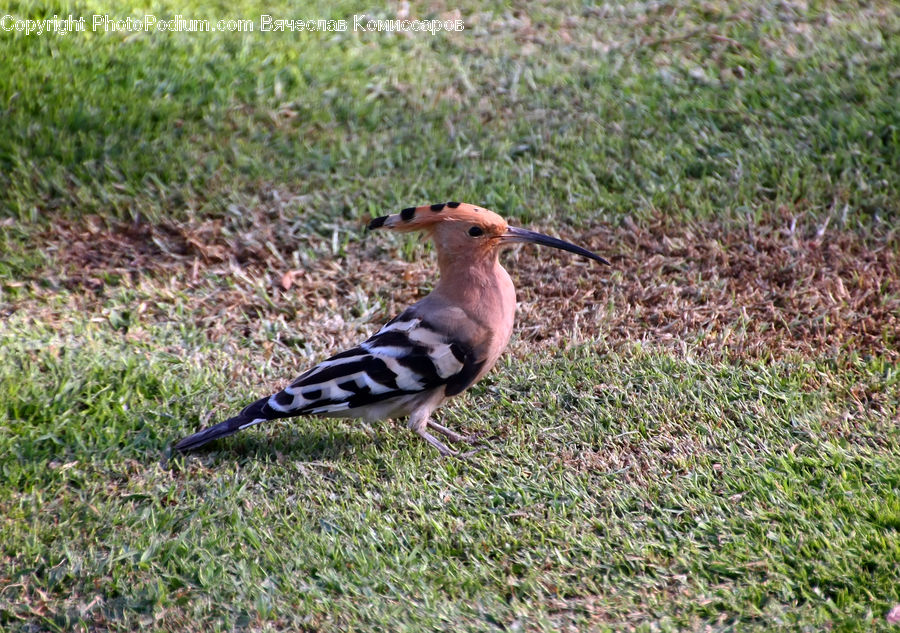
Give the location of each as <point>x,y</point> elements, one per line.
<point>497,309</point>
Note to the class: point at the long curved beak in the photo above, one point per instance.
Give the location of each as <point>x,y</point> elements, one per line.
<point>514,234</point>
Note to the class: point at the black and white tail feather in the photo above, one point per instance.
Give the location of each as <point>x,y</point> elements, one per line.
<point>405,362</point>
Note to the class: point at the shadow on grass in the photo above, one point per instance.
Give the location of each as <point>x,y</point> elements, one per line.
<point>301,445</point>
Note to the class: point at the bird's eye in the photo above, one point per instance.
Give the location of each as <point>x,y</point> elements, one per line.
<point>475,231</point>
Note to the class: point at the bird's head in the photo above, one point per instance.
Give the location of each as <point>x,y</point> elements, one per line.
<point>465,230</point>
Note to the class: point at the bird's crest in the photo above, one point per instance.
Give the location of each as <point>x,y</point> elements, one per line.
<point>428,216</point>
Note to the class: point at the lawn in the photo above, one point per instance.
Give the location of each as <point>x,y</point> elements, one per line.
<point>702,437</point>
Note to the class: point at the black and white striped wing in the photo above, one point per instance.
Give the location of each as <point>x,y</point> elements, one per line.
<point>406,357</point>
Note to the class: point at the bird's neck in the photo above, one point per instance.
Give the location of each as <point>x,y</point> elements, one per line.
<point>466,274</point>
<point>481,286</point>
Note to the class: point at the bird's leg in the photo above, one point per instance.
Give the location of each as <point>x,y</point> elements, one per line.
<point>420,420</point>
<point>418,423</point>
<point>431,439</point>
<point>442,448</point>
<point>453,436</point>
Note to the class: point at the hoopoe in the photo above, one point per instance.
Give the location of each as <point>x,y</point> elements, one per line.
<point>434,350</point>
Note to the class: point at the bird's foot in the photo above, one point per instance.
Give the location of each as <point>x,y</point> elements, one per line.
<point>442,448</point>
<point>465,456</point>
<point>453,436</point>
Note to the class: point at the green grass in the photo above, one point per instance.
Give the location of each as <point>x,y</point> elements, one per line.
<point>796,109</point>
<point>621,487</point>
<point>614,486</point>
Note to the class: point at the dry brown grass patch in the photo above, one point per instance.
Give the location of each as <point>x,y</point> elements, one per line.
<point>757,290</point>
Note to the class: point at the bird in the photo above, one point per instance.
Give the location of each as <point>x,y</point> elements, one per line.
<point>432,351</point>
